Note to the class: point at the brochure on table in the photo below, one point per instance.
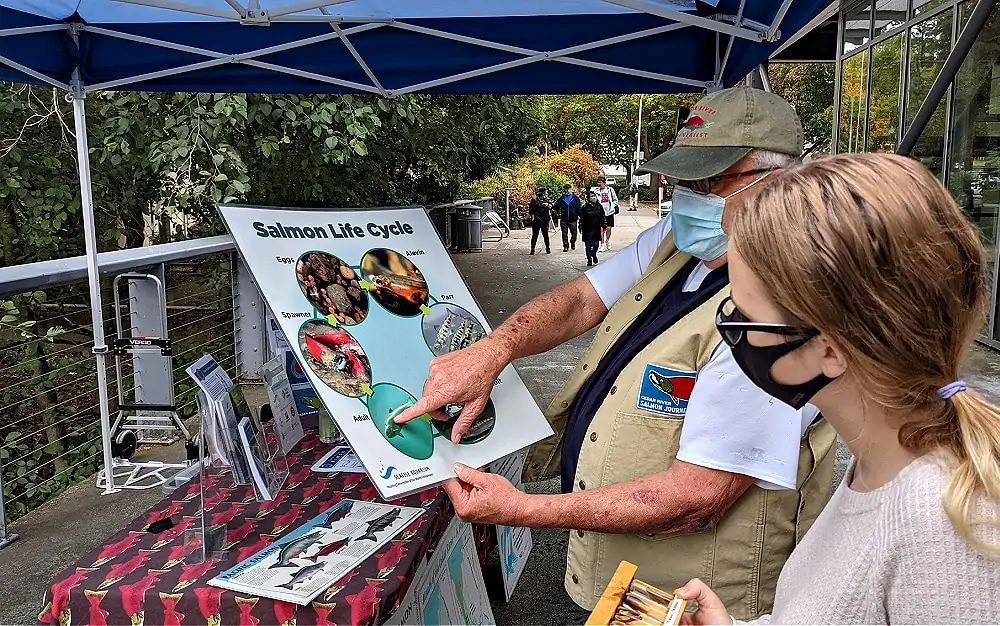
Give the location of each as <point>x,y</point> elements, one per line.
<point>514,542</point>
<point>279,393</point>
<point>251,449</point>
<point>300,566</point>
<point>448,587</point>
<point>366,299</point>
<point>306,400</point>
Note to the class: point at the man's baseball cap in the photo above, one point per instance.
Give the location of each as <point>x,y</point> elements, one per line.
<point>723,128</point>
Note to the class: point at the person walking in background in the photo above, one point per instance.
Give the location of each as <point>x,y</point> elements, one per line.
<point>539,209</point>
<point>633,195</point>
<point>591,226</point>
<point>858,285</point>
<point>609,200</point>
<point>567,207</point>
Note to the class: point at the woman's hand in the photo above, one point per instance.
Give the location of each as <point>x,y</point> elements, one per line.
<point>710,611</point>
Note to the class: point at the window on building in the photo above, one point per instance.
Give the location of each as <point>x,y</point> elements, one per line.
<point>889,15</point>
<point>930,43</point>
<point>857,26</point>
<point>925,6</point>
<point>974,179</point>
<point>883,117</point>
<point>853,101</point>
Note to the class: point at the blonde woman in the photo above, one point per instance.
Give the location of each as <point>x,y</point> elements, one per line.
<point>858,285</point>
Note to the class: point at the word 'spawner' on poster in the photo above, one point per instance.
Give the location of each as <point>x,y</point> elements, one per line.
<point>367,298</point>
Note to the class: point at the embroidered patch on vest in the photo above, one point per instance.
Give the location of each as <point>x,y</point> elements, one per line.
<point>665,391</point>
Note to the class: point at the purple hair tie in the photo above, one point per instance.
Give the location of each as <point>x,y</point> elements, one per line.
<point>951,389</point>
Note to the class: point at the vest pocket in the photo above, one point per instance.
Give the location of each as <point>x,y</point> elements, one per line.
<point>639,445</point>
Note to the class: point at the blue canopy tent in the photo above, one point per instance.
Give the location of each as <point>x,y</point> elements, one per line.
<point>386,47</point>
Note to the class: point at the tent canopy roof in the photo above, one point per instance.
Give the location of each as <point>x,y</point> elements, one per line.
<point>394,47</point>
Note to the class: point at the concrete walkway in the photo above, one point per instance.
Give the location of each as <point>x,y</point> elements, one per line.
<point>502,278</point>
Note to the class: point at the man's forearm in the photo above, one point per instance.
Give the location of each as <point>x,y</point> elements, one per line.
<point>663,503</point>
<point>550,320</point>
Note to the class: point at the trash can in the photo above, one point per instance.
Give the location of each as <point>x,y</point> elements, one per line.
<point>469,229</point>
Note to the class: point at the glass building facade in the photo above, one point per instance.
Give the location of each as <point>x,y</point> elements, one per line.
<point>889,53</point>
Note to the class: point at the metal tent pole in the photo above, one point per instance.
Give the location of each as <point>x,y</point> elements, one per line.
<point>90,239</point>
<point>948,72</point>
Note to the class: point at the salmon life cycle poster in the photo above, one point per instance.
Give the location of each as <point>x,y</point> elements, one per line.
<point>367,298</point>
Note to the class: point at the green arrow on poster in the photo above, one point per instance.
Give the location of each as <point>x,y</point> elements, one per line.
<point>426,310</point>
<point>332,319</point>
<point>367,389</point>
<point>367,286</point>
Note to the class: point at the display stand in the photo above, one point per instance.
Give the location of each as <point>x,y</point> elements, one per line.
<point>237,452</point>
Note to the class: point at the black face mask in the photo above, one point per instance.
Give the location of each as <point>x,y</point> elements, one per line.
<point>757,361</point>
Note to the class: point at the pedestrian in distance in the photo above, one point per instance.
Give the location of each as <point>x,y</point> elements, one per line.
<point>633,195</point>
<point>858,285</point>
<point>567,207</point>
<point>591,226</point>
<point>539,209</point>
<point>609,200</point>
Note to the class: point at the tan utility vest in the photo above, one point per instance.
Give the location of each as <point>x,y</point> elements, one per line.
<point>741,557</point>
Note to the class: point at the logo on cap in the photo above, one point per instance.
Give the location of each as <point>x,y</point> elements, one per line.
<point>695,122</point>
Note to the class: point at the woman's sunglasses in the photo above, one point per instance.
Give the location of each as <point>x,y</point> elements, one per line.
<point>733,325</point>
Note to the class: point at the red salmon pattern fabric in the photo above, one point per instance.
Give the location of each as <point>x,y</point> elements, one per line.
<point>138,577</point>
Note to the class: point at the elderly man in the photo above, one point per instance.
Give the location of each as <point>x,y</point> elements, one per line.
<point>669,457</point>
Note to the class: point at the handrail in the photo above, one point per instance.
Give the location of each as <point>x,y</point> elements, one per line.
<point>44,274</point>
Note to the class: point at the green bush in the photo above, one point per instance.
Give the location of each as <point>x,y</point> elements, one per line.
<point>553,180</point>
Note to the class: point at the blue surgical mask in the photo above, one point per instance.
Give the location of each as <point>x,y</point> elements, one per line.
<point>696,221</point>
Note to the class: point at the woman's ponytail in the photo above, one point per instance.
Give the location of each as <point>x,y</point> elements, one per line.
<point>978,469</point>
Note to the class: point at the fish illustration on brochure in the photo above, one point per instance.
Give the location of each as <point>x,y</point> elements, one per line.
<point>300,566</point>
<point>365,299</point>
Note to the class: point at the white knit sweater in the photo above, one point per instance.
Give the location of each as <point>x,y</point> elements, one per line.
<point>890,556</point>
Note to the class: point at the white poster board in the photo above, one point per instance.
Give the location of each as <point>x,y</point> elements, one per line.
<point>366,298</point>
<point>514,542</point>
<point>448,587</point>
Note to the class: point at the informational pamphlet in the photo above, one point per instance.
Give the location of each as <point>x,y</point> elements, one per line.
<point>514,541</point>
<point>340,459</point>
<point>448,588</point>
<point>300,566</point>
<point>279,393</point>
<point>306,400</point>
<point>366,299</point>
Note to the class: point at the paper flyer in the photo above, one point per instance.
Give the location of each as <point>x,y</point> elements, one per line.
<point>306,400</point>
<point>514,542</point>
<point>305,563</point>
<point>340,459</point>
<point>279,393</point>
<point>448,587</point>
<point>366,299</point>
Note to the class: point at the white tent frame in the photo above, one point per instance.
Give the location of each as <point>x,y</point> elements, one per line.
<point>252,14</point>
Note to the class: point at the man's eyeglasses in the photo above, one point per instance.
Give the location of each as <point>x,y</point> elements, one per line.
<point>703,187</point>
<point>734,326</point>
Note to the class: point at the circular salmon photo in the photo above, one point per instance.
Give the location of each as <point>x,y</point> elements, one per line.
<point>332,287</point>
<point>395,282</point>
<point>481,427</point>
<point>449,327</point>
<point>336,357</point>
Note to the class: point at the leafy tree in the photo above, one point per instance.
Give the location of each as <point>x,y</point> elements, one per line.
<point>575,163</point>
<point>607,125</point>
<point>809,88</point>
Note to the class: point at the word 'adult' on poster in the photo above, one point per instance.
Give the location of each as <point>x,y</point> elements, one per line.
<point>514,542</point>
<point>317,554</point>
<point>448,587</point>
<point>366,299</point>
